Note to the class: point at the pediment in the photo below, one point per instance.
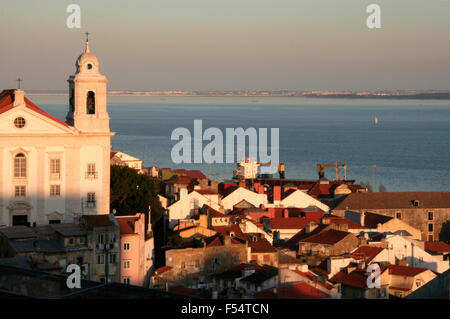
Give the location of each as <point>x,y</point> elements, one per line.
<point>36,123</point>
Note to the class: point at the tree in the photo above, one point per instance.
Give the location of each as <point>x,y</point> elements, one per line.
<point>382,188</point>
<point>133,193</point>
<point>444,235</point>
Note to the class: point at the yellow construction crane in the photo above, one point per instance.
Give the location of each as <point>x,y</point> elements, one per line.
<point>342,167</point>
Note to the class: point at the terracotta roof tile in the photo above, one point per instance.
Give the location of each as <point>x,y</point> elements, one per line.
<point>291,223</point>
<point>6,103</point>
<point>397,270</point>
<point>437,246</point>
<point>394,200</point>
<point>357,278</point>
<point>368,253</point>
<point>328,237</point>
<point>298,290</point>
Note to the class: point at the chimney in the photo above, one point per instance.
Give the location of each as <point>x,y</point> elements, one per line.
<point>203,218</point>
<point>276,194</point>
<point>363,217</point>
<point>285,213</point>
<point>261,189</point>
<point>183,192</point>
<point>256,187</point>
<point>19,98</point>
<point>310,227</point>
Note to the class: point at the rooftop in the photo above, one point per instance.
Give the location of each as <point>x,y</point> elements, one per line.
<point>395,200</point>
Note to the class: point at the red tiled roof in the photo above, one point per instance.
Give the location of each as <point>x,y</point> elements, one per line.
<point>126,225</point>
<point>293,241</point>
<point>366,252</point>
<point>99,220</point>
<point>357,278</point>
<point>261,245</point>
<point>191,173</point>
<point>328,237</point>
<point>371,220</point>
<point>183,180</point>
<point>213,212</point>
<point>406,271</point>
<point>342,220</point>
<point>291,223</point>
<point>6,103</point>
<point>320,189</point>
<point>437,246</point>
<point>163,269</point>
<point>394,200</point>
<point>298,290</point>
<point>312,276</point>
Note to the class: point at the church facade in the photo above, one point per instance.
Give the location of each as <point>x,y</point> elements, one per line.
<point>54,171</point>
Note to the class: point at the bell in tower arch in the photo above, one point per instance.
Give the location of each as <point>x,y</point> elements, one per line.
<point>90,103</point>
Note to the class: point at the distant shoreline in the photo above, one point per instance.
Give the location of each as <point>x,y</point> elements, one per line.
<point>261,94</point>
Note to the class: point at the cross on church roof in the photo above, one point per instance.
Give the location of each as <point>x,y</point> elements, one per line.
<point>18,81</point>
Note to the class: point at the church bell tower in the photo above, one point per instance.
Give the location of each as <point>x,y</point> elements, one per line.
<point>87,91</point>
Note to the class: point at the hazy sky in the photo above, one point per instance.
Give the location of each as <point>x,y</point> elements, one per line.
<point>230,44</point>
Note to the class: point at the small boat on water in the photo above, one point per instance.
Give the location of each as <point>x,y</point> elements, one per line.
<point>375,120</point>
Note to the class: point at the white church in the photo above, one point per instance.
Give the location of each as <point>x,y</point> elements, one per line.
<point>54,171</point>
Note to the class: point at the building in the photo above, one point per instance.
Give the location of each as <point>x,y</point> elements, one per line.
<point>53,171</point>
<point>91,242</point>
<point>192,267</point>
<point>352,284</point>
<point>328,242</point>
<point>425,211</point>
<point>104,241</point>
<point>123,159</point>
<point>136,250</point>
<point>382,224</point>
<point>403,280</point>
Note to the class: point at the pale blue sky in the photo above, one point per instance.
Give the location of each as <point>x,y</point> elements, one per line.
<point>230,44</point>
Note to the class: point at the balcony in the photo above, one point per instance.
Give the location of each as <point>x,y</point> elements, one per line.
<point>91,175</point>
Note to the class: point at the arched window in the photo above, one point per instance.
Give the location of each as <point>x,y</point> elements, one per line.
<point>20,166</point>
<point>90,103</point>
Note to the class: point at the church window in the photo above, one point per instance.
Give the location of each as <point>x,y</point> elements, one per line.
<point>90,103</point>
<point>19,122</point>
<point>20,166</point>
<point>55,168</point>
<point>91,200</point>
<point>20,191</point>
<point>55,190</point>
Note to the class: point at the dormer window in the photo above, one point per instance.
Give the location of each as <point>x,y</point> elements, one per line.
<point>415,203</point>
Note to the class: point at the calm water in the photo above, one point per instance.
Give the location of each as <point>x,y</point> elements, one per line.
<point>410,146</point>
